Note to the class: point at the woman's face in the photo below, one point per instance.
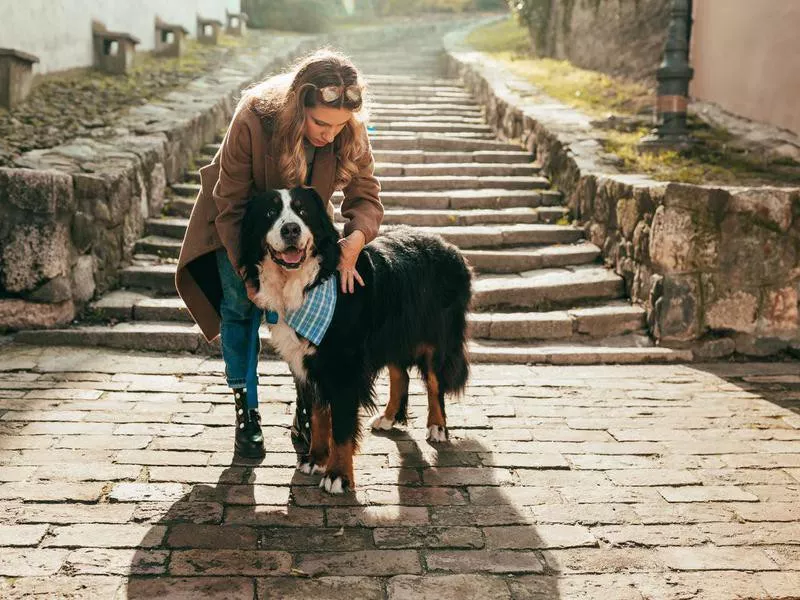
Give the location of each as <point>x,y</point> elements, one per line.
<point>324,122</point>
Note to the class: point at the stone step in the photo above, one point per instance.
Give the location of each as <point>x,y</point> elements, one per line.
<point>413,99</point>
<point>384,169</point>
<point>520,260</point>
<point>407,133</point>
<point>389,169</point>
<point>616,318</point>
<point>416,117</point>
<point>469,236</point>
<point>445,218</point>
<point>429,108</point>
<point>423,142</point>
<point>186,337</point>
<point>175,227</point>
<point>613,319</point>
<point>410,80</point>
<point>546,288</point>
<point>376,89</point>
<point>616,351</point>
<point>182,203</point>
<point>437,143</point>
<point>470,198</point>
<point>462,182</point>
<point>418,157</point>
<point>382,111</point>
<point>380,127</point>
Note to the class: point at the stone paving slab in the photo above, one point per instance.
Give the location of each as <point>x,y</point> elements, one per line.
<point>118,480</point>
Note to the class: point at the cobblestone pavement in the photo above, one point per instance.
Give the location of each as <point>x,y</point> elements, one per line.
<point>668,481</point>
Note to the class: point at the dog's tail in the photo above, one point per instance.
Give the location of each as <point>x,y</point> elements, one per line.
<point>454,358</point>
<point>453,361</point>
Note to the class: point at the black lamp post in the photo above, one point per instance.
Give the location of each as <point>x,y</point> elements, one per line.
<point>673,78</point>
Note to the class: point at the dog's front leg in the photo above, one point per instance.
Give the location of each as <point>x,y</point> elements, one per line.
<point>344,433</point>
<point>320,439</point>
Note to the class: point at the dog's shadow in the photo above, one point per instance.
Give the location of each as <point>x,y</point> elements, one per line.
<point>418,510</point>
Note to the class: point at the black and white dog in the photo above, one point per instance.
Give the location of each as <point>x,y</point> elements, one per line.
<point>411,311</point>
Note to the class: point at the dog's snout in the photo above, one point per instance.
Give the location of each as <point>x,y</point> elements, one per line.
<point>290,232</point>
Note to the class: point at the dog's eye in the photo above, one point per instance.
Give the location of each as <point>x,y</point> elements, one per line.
<point>302,212</point>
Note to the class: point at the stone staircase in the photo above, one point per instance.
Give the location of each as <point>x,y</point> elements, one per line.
<point>540,293</point>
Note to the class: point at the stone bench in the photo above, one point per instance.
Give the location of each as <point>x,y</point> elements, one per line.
<point>208,30</point>
<point>170,39</point>
<point>114,51</point>
<point>16,76</point>
<point>236,23</point>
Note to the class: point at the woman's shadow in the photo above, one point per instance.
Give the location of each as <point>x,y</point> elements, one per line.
<point>431,519</point>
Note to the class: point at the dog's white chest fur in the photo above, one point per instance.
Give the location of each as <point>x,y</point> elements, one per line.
<point>282,291</point>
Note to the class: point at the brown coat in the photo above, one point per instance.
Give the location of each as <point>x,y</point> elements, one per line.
<point>246,162</point>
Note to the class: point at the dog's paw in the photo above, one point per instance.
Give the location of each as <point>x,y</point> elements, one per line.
<point>381,422</point>
<point>333,484</point>
<point>310,467</point>
<point>436,433</point>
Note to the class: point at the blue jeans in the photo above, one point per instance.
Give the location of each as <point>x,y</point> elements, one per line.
<point>241,344</point>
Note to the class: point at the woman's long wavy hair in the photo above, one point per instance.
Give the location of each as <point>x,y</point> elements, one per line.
<point>284,99</point>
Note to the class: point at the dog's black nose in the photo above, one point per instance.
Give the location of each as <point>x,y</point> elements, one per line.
<point>290,232</point>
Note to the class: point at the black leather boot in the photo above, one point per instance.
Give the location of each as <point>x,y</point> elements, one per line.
<point>249,439</point>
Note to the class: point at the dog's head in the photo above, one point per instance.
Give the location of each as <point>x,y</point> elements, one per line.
<point>290,228</point>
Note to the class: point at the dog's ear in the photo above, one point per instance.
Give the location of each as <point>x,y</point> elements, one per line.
<point>326,236</point>
<point>253,233</point>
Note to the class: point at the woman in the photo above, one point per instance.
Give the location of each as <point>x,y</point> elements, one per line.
<point>302,127</point>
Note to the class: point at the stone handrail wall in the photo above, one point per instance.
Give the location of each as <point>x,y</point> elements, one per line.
<point>717,268</point>
<point>69,215</point>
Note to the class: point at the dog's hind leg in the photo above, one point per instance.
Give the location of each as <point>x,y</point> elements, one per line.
<point>396,410</point>
<point>437,423</point>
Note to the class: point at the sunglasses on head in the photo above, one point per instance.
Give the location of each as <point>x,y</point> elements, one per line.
<point>332,93</point>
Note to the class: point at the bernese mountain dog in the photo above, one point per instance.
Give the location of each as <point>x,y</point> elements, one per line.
<point>411,311</point>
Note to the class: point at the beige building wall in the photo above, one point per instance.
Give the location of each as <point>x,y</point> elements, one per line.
<point>746,57</point>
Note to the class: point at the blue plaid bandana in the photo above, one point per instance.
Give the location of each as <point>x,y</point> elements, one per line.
<point>314,317</point>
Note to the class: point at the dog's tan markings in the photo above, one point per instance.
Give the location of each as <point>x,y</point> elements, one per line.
<point>339,474</point>
<point>398,387</point>
<point>320,437</point>
<point>437,425</point>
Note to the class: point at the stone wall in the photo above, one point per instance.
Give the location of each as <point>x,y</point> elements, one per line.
<point>717,269</point>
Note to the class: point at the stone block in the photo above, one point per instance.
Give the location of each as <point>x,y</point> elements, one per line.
<point>21,314</point>
<point>676,312</point>
<point>39,192</point>
<point>680,241</point>
<point>83,285</point>
<point>208,30</point>
<point>170,39</point>
<point>16,76</point>
<point>56,290</point>
<point>771,207</point>
<point>32,254</point>
<point>779,313</point>
<point>235,23</point>
<point>114,51</point>
<point>734,312</point>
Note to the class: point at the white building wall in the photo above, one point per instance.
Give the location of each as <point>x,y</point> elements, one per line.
<point>59,32</point>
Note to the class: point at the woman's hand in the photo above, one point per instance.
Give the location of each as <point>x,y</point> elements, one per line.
<point>351,247</point>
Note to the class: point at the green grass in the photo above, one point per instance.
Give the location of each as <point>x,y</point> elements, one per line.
<point>715,157</point>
